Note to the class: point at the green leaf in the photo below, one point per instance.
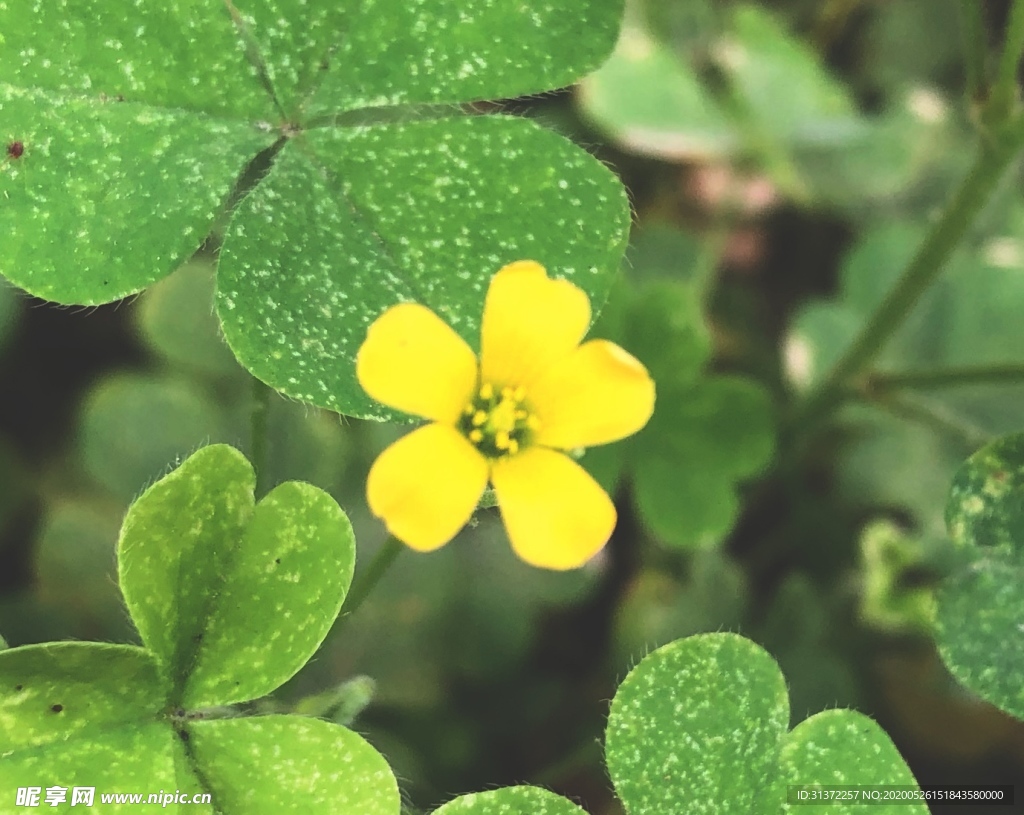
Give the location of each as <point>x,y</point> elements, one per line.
<point>981,604</point>
<point>782,83</point>
<point>134,757</point>
<point>176,320</point>
<point>697,725</point>
<point>283,764</point>
<point>398,53</point>
<point>133,427</point>
<point>700,725</point>
<point>73,691</point>
<point>368,217</point>
<point>653,103</point>
<point>840,748</point>
<point>701,440</point>
<point>104,52</point>
<point>208,576</point>
<point>283,590</point>
<point>510,801</point>
<point>108,197</point>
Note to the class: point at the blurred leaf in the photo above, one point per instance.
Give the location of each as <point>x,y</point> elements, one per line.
<point>450,200</point>
<point>981,604</point>
<point>435,618</point>
<point>707,432</point>
<point>209,576</point>
<point>653,103</point>
<point>782,84</point>
<point>133,427</point>
<point>657,609</point>
<point>687,26</point>
<point>701,440</point>
<point>912,42</point>
<point>889,558</point>
<point>510,801</point>
<point>305,444</point>
<point>342,704</point>
<point>176,320</point>
<point>701,724</point>
<point>76,568</point>
<point>241,760</point>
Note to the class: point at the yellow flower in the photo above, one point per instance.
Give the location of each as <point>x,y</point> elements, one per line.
<point>535,393</point>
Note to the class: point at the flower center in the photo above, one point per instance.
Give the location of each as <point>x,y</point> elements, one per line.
<point>498,422</point>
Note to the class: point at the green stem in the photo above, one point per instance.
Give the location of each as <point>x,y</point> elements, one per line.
<point>366,581</point>
<point>935,417</point>
<point>1004,91</point>
<point>943,238</point>
<point>975,49</point>
<point>258,446</point>
<point>1009,373</point>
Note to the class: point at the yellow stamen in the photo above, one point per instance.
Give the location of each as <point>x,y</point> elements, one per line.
<point>487,391</point>
<point>479,418</point>
<point>476,436</point>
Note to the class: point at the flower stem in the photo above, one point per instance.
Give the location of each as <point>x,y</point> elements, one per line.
<point>934,416</point>
<point>975,50</point>
<point>1010,373</point>
<point>1004,91</point>
<point>994,158</point>
<point>258,443</point>
<point>366,581</point>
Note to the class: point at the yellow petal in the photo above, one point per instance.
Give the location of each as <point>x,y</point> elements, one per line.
<point>556,515</point>
<point>413,361</point>
<point>529,323</point>
<point>426,485</point>
<point>597,395</point>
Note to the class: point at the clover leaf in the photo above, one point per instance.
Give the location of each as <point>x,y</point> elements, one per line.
<point>511,801</point>
<point>980,613</point>
<point>700,725</point>
<point>142,130</point>
<point>231,597</point>
<point>708,432</point>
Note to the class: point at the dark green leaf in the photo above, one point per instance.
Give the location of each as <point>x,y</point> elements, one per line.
<point>170,54</point>
<point>395,53</point>
<point>981,604</point>
<point>366,218</point>
<point>108,197</point>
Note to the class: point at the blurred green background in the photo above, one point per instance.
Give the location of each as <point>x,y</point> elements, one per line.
<point>782,159</point>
